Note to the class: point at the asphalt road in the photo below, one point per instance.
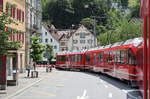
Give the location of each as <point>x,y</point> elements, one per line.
<point>78,85</point>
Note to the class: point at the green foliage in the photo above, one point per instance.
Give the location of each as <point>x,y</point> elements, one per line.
<point>64,13</point>
<point>87,22</point>
<point>48,52</point>
<point>5,44</point>
<point>36,49</point>
<point>120,28</point>
<point>134,6</point>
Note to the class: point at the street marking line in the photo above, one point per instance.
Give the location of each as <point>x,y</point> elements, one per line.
<point>23,89</point>
<point>84,96</point>
<point>43,93</point>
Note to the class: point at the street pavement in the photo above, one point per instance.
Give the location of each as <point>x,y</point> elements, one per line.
<point>23,83</point>
<point>77,85</point>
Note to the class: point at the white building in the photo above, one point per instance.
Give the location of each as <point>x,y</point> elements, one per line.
<point>47,37</point>
<point>82,38</point>
<point>33,22</point>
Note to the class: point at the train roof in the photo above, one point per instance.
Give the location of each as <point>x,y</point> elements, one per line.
<point>136,41</point>
<point>124,44</point>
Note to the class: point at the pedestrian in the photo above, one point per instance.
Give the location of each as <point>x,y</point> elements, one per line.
<point>28,69</point>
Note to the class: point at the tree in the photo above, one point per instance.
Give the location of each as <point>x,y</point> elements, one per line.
<point>36,50</point>
<point>64,13</point>
<point>120,27</point>
<point>134,6</point>
<point>87,22</point>
<point>48,52</point>
<point>5,43</point>
<point>59,12</point>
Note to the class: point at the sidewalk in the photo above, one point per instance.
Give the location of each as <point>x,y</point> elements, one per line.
<point>23,84</point>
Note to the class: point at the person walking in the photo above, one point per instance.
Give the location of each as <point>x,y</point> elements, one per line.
<point>28,69</point>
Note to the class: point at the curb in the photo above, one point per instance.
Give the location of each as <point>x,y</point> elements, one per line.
<point>23,89</point>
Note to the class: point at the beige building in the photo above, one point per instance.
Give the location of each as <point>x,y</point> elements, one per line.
<point>82,38</point>
<point>16,59</point>
<point>64,36</point>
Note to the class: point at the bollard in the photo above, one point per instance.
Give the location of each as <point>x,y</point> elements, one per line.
<point>34,74</point>
<point>2,86</point>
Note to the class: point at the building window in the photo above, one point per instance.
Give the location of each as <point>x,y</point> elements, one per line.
<point>82,35</point>
<point>51,40</point>
<point>77,34</point>
<point>62,43</point>
<point>82,41</point>
<point>90,41</point>
<point>46,40</point>
<point>40,40</point>
<point>75,41</point>
<point>23,16</point>
<point>55,47</point>
<point>45,33</point>
<point>87,34</point>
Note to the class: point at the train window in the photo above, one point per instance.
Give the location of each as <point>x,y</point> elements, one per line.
<point>79,58</point>
<point>117,57</point>
<point>73,58</point>
<point>95,58</point>
<point>100,57</point>
<point>76,58</point>
<point>122,56</point>
<point>88,58</point>
<point>131,58</point>
<point>110,57</point>
<point>62,58</point>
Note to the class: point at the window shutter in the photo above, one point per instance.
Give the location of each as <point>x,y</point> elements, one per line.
<point>23,38</point>
<point>1,5</point>
<point>11,12</point>
<point>17,13</point>
<point>23,16</point>
<point>14,10</point>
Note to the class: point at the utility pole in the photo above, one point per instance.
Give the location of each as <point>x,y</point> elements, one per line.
<point>94,30</point>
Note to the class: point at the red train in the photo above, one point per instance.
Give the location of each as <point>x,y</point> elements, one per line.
<point>119,60</point>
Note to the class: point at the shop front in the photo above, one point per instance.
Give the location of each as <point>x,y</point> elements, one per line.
<point>3,81</point>
<point>12,69</point>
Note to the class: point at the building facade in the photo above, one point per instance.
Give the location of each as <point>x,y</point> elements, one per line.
<point>63,39</point>
<point>47,37</point>
<point>33,22</point>
<point>18,15</point>
<point>15,59</point>
<point>82,38</point>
